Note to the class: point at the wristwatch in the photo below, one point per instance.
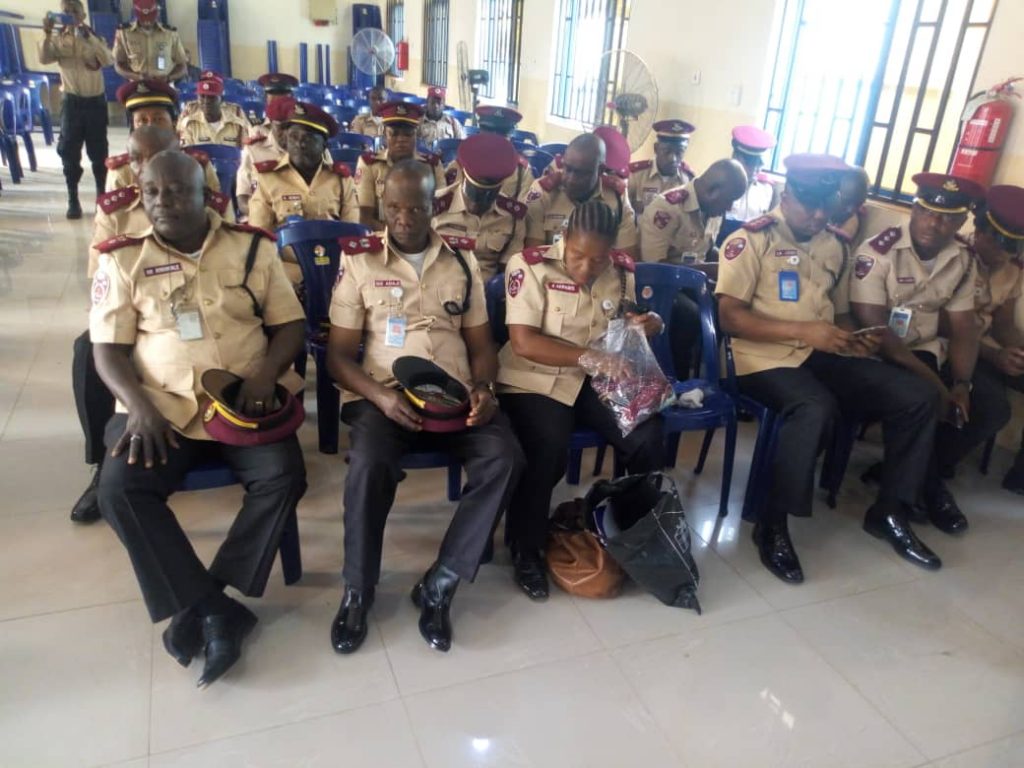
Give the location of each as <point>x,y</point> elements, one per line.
<point>965,382</point>
<point>489,386</point>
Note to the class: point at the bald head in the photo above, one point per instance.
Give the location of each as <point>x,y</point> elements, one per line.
<point>853,193</point>
<point>409,204</point>
<point>722,184</point>
<point>173,196</point>
<point>581,166</point>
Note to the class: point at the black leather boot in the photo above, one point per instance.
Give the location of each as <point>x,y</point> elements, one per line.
<point>223,634</point>
<point>1014,479</point>
<point>74,207</point>
<point>433,596</point>
<point>891,524</point>
<point>777,553</point>
<point>349,628</point>
<point>183,637</point>
<point>87,508</point>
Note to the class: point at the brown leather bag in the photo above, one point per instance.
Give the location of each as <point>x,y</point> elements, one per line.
<point>576,560</point>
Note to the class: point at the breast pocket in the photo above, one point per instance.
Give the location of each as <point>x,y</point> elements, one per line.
<point>450,296</point>
<point>286,206</point>
<point>559,310</point>
<point>234,299</point>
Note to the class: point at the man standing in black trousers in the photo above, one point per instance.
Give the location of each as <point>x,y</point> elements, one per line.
<point>81,55</point>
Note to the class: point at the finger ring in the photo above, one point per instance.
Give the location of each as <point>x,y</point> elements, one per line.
<point>258,403</point>
<point>134,438</point>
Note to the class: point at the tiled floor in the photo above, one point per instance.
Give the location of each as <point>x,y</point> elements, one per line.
<point>870,663</point>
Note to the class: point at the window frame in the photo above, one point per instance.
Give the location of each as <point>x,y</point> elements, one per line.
<point>395,22</point>
<point>500,53</point>
<point>436,31</point>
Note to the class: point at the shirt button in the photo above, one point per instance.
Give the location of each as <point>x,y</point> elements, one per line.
<point>216,335</point>
<point>207,302</point>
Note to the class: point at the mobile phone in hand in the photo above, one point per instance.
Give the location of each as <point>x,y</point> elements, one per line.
<point>64,19</point>
<point>870,330</point>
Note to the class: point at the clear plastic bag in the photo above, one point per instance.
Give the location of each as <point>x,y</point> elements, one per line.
<point>626,375</point>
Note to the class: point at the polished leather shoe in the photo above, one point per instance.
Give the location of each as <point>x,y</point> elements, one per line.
<point>348,631</point>
<point>944,513</point>
<point>894,528</point>
<point>183,637</point>
<point>531,574</point>
<point>433,596</point>
<point>777,553</point>
<point>223,634</point>
<point>87,508</point>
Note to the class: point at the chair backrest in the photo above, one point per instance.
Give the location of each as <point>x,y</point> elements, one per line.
<point>309,92</point>
<point>554,148</point>
<point>186,91</point>
<point>447,149</point>
<point>527,136</point>
<point>459,114</point>
<point>345,114</point>
<point>657,286</point>
<point>494,296</point>
<point>348,155</point>
<point>352,140</point>
<point>225,161</point>
<point>538,159</point>
<point>316,248</point>
<point>471,130</point>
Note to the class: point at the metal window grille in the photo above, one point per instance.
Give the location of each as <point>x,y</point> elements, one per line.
<point>499,47</point>
<point>582,78</point>
<point>435,42</point>
<point>396,26</point>
<point>886,94</point>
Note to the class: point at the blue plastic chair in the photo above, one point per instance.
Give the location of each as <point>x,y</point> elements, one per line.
<point>39,92</point>
<point>538,159</point>
<point>446,149</point>
<point>309,92</point>
<point>471,130</point>
<point>186,91</point>
<point>254,110</point>
<point>225,160</point>
<point>554,148</point>
<point>459,114</point>
<point>352,140</point>
<point>657,286</point>
<point>348,155</point>
<point>526,136</point>
<point>17,118</point>
<point>346,113</point>
<point>216,474</point>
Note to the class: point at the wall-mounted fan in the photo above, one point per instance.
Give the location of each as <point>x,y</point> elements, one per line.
<point>626,96</point>
<point>373,52</point>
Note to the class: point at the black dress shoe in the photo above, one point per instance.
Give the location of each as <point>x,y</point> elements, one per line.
<point>777,553</point>
<point>894,528</point>
<point>349,628</point>
<point>944,513</point>
<point>87,508</point>
<point>433,596</point>
<point>1014,480</point>
<point>531,574</point>
<point>183,637</point>
<point>223,634</point>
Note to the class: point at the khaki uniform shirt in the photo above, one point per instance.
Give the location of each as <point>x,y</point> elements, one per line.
<point>887,272</point>
<point>371,170</point>
<point>258,148</point>
<point>282,192</point>
<point>674,229</point>
<point>151,53</point>
<point>120,172</point>
<point>548,209</point>
<point>120,212</point>
<point>992,290</point>
<point>132,294</point>
<point>80,60</point>
<point>374,282</point>
<point>227,107</point>
<point>752,260</point>
<point>515,186</point>
<point>447,127</point>
<point>495,235</point>
<point>368,125</point>
<point>645,183</point>
<point>541,294</point>
<point>231,130</point>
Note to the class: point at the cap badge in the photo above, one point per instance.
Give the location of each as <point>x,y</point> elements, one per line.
<point>401,110</point>
<point>951,186</point>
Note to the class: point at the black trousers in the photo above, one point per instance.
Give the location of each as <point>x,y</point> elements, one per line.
<point>684,335</point>
<point>996,378</point>
<point>810,398</point>
<point>94,402</point>
<point>544,428</point>
<point>83,121</point>
<point>493,462</point>
<point>990,412</point>
<point>133,500</point>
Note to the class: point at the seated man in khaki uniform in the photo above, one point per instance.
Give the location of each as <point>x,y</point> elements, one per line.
<point>554,196</point>
<point>147,50</point>
<point>783,296</point>
<point>400,121</point>
<point>191,107</point>
<point>263,145</point>
<point>212,122</point>
<point>919,280</point>
<point>666,170</point>
<point>436,125</point>
<point>501,121</point>
<point>370,123</point>
<point>493,225</point>
<point>188,295</point>
<point>405,291</point>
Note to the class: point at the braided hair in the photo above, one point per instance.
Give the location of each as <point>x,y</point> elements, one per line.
<point>593,217</point>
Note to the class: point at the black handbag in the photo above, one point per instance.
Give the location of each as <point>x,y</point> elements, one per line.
<point>640,520</point>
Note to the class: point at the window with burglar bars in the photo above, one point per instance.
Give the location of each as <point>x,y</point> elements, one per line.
<point>499,47</point>
<point>435,42</point>
<point>583,78</point>
<point>396,26</point>
<point>886,94</point>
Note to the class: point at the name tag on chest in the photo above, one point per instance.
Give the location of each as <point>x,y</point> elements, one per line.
<point>163,269</point>
<point>564,287</point>
<point>291,197</point>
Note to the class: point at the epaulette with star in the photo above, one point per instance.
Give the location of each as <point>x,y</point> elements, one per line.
<point>623,260</point>
<point>429,158</point>
<point>511,205</point>
<point>759,224</point>
<point>535,255</point>
<point>443,203</point>
<point>685,168</point>
<point>250,140</point>
<point>457,242</point>
<point>353,246</point>
<point>249,228</point>
<point>614,183</point>
<point>885,240</point>
<point>119,241</point>
<point>677,196</point>
<point>640,165</point>
<point>109,202</point>
<point>117,161</point>
<point>266,166</point>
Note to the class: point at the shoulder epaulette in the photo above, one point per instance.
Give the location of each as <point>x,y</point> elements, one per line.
<point>265,166</point>
<point>559,162</point>
<point>677,196</point>
<point>759,224</point>
<point>198,155</point>
<point>116,161</point>
<point>884,241</point>
<point>614,183</point>
<point>511,205</point>
<point>763,177</point>
<point>550,181</point>
<point>685,168</point>
<point>370,157</point>
<point>839,234</point>
<point>356,245</point>
<point>249,228</point>
<point>443,203</point>
<point>117,199</point>
<point>250,140</point>
<point>119,241</point>
<point>456,242</point>
<point>216,200</point>
<point>342,169</point>
<point>623,260</point>
<point>640,165</point>
<point>535,255</point>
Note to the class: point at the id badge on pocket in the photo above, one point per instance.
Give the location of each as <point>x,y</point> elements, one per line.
<point>394,335</point>
<point>899,321</point>
<point>789,286</point>
<point>190,324</point>
<point>161,62</point>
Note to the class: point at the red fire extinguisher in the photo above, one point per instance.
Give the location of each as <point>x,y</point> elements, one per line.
<point>402,55</point>
<point>985,124</point>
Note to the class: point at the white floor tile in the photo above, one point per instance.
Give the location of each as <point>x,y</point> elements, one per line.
<point>1005,753</point>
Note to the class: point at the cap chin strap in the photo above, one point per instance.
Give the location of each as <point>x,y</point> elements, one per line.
<point>935,209</point>
<point>999,228</point>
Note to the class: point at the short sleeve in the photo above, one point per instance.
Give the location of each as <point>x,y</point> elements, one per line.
<point>656,227</point>
<point>739,267</point>
<point>841,291</point>
<point>366,192</point>
<point>113,318</point>
<point>963,297</point>
<point>867,284</point>
<point>477,314</point>
<point>627,236</point>
<point>261,212</point>
<point>280,304</point>
<point>1015,289</point>
<point>515,245</point>
<point>347,307</point>
<point>535,213</point>
<point>524,294</point>
<point>178,55</point>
